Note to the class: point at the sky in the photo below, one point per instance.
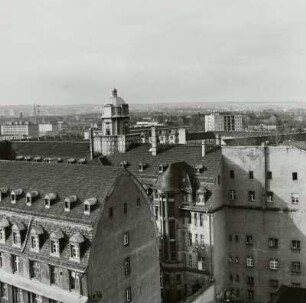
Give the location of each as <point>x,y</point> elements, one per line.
<point>76,51</point>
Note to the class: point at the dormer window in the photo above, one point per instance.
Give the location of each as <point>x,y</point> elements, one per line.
<point>59,160</point>
<point>199,168</point>
<point>69,202</point>
<point>35,235</point>
<point>28,158</point>
<point>88,205</point>
<point>15,194</point>
<point>4,224</point>
<point>123,164</point>
<point>49,199</point>
<point>37,159</point>
<point>55,239</point>
<point>19,158</point>
<point>3,192</point>
<point>17,230</point>
<point>30,197</point>
<point>162,167</point>
<point>141,166</point>
<point>71,161</point>
<point>82,161</point>
<point>75,246</point>
<point>201,195</point>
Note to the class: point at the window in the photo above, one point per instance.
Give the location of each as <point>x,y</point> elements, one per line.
<point>74,251</point>
<point>125,208</point>
<point>138,203</point>
<point>156,212</point>
<point>295,198</point>
<point>34,243</point>
<point>190,239</point>
<point>250,294</point>
<point>295,245</point>
<point>230,259</point>
<point>251,174</point>
<point>273,242</point>
<point>250,280</point>
<point>196,240</point>
<point>15,261</point>
<point>269,175</point>
<point>232,195</point>
<point>1,259</point>
<point>231,277</point>
<point>201,263</point>
<point>34,269</point>
<point>16,239</point>
<point>296,267</point>
<point>189,217</point>
<point>270,196</point>
<point>128,294</point>
<point>237,278</point>
<point>201,219</point>
<point>294,176</point>
<point>249,240</point>
<point>110,212</point>
<point>53,275</point>
<point>127,267</point>
<point>230,238</point>
<point>232,174</point>
<point>3,290</point>
<point>236,238</point>
<point>252,196</point>
<point>126,238</point>
<point>274,283</point>
<point>2,235</point>
<point>202,241</point>
<point>293,284</point>
<point>73,279</point>
<point>236,260</point>
<point>36,298</point>
<point>190,261</point>
<point>273,264</point>
<point>54,247</point>
<point>178,279</point>
<point>195,217</point>
<point>250,262</point>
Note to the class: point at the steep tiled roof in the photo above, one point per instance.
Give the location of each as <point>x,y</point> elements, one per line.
<point>65,180</point>
<point>167,154</point>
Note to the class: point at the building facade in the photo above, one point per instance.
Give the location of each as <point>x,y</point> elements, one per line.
<point>20,129</point>
<point>223,122</point>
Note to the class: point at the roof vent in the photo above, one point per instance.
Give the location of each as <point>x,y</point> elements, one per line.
<point>123,164</point>
<point>30,197</point>
<point>3,192</point>
<point>37,159</point>
<point>88,205</point>
<point>15,194</point>
<point>69,201</point>
<point>19,158</point>
<point>71,161</point>
<point>49,199</point>
<point>82,161</point>
<point>28,158</point>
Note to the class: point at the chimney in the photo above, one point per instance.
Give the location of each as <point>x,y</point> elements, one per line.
<point>154,141</point>
<point>203,148</point>
<point>91,144</point>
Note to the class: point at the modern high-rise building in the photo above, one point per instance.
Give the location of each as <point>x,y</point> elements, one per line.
<point>223,122</point>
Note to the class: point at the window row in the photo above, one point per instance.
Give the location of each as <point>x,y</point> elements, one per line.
<point>196,218</point>
<point>269,175</point>
<point>198,240</point>
<point>125,208</point>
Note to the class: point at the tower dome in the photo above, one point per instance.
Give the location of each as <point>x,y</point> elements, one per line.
<point>115,100</point>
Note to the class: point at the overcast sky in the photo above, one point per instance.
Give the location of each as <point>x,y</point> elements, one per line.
<point>76,51</point>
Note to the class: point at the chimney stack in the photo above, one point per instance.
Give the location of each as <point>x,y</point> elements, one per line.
<point>154,141</point>
<point>91,144</point>
<point>203,148</point>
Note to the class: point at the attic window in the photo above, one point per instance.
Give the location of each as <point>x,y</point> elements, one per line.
<point>88,205</point>
<point>141,166</point>
<point>199,168</point>
<point>75,246</point>
<point>3,192</point>
<point>30,197</point>
<point>4,223</point>
<point>162,167</point>
<point>55,238</point>
<point>49,198</point>
<point>36,232</point>
<point>19,158</point>
<point>15,194</point>
<point>82,161</point>
<point>69,201</point>
<point>71,161</point>
<point>28,158</point>
<point>123,164</point>
<point>17,229</point>
<point>37,159</point>
<point>59,160</point>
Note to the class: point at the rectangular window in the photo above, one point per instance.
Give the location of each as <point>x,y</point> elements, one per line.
<point>171,209</point>
<point>250,294</point>
<point>296,267</point>
<point>202,241</point>
<point>232,195</point>
<point>232,174</point>
<point>201,219</point>
<point>138,203</point>
<point>273,264</point>
<point>190,239</point>
<point>127,267</point>
<point>172,229</point>
<point>249,240</point>
<point>196,240</point>
<point>201,263</point>
<point>295,244</point>
<point>128,294</point>
<point>73,278</point>
<point>190,261</point>
<point>269,175</point>
<point>295,198</point>
<point>294,176</point>
<point>251,174</point>
<point>236,238</point>
<point>250,262</point>
<point>156,212</point>
<point>195,217</point>
<point>237,278</point>
<point>2,235</point>
<point>293,284</point>
<point>34,243</point>
<point>230,238</point>
<point>125,208</point>
<point>273,242</point>
<point>270,197</point>
<point>54,246</point>
<point>273,283</point>
<point>74,251</point>
<point>126,238</point>
<point>110,212</point>
<point>250,280</point>
<point>178,279</point>
<point>53,275</point>
<point>252,196</point>
<point>34,269</point>
<point>3,290</point>
<point>15,260</point>
<point>189,217</point>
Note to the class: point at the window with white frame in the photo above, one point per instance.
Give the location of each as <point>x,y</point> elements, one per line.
<point>15,263</point>
<point>250,262</point>
<point>126,238</point>
<point>128,294</point>
<point>273,264</point>
<point>54,247</point>
<point>3,290</point>
<point>35,243</point>
<point>74,251</point>
<point>127,266</point>
<point>270,197</point>
<point>35,269</point>
<point>201,263</point>
<point>296,267</point>
<point>196,240</point>
<point>251,195</point>
<point>202,241</point>
<point>295,244</point>
<point>232,194</point>
<point>72,279</point>
<point>295,198</point>
<point>249,240</point>
<point>273,242</point>
<point>16,239</point>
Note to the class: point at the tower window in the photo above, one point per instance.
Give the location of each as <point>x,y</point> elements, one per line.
<point>294,176</point>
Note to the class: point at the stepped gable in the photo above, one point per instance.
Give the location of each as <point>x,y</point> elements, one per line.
<point>170,154</point>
